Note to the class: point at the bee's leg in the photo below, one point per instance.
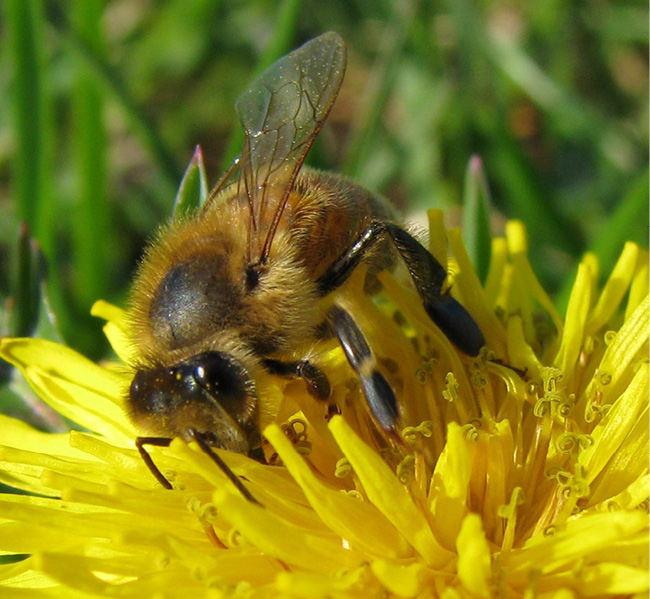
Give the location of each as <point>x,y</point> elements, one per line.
<point>379,394</point>
<point>140,442</point>
<point>317,384</point>
<point>427,274</point>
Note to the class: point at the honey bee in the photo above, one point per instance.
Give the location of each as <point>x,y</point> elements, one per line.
<point>224,295</point>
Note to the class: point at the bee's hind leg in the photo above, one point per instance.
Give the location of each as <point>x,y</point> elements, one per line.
<point>379,394</point>
<point>428,276</point>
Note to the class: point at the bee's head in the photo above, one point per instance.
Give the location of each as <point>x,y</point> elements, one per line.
<point>211,392</point>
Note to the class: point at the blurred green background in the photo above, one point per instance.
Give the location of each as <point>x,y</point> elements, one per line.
<point>103,103</point>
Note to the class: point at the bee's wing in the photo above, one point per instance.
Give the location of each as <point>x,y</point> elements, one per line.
<point>282,112</point>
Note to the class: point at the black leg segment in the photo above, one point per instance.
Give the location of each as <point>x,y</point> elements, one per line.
<point>317,383</point>
<point>140,442</point>
<point>427,274</point>
<point>379,394</point>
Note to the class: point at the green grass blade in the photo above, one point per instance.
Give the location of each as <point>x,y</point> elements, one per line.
<point>365,131</point>
<point>526,196</point>
<point>25,292</point>
<point>476,217</point>
<point>627,223</point>
<point>31,111</point>
<point>91,216</point>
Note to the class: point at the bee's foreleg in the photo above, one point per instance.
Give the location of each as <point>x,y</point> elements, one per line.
<point>428,276</point>
<point>317,383</point>
<point>379,394</point>
<point>140,442</point>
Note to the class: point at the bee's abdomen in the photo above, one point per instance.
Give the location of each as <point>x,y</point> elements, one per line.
<point>329,214</point>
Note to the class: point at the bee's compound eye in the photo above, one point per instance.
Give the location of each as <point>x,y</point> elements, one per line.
<point>216,378</point>
<point>137,383</point>
<point>219,373</point>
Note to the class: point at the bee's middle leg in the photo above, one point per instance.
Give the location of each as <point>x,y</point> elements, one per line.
<point>317,383</point>
<point>378,392</point>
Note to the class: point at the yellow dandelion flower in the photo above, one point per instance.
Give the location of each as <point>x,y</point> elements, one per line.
<point>523,472</point>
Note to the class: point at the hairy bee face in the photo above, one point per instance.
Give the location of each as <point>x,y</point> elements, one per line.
<point>211,393</point>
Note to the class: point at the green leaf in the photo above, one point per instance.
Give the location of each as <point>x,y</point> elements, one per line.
<point>28,307</point>
<point>32,110</point>
<point>476,217</point>
<point>628,222</point>
<point>92,214</point>
<point>193,190</point>
<point>111,82</point>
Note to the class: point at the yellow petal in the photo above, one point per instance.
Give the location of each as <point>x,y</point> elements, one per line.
<point>355,584</point>
<point>359,522</point>
<point>473,297</point>
<point>89,575</point>
<point>83,406</point>
<point>613,579</point>
<point>516,237</point>
<point>614,290</point>
<point>26,469</point>
<point>521,354</point>
<point>450,486</point>
<point>474,568</point>
<point>582,536</point>
<point>610,434</point>
<point>634,495</point>
<point>576,317</point>
<point>498,262</point>
<point>404,580</point>
<point>640,283</point>
<point>18,434</point>
<point>620,356</point>
<point>386,492</point>
<point>72,385</point>
<point>116,329</point>
<point>281,538</point>
<point>22,577</point>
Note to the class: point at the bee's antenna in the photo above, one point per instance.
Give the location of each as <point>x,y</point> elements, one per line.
<point>207,449</point>
<point>234,479</point>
